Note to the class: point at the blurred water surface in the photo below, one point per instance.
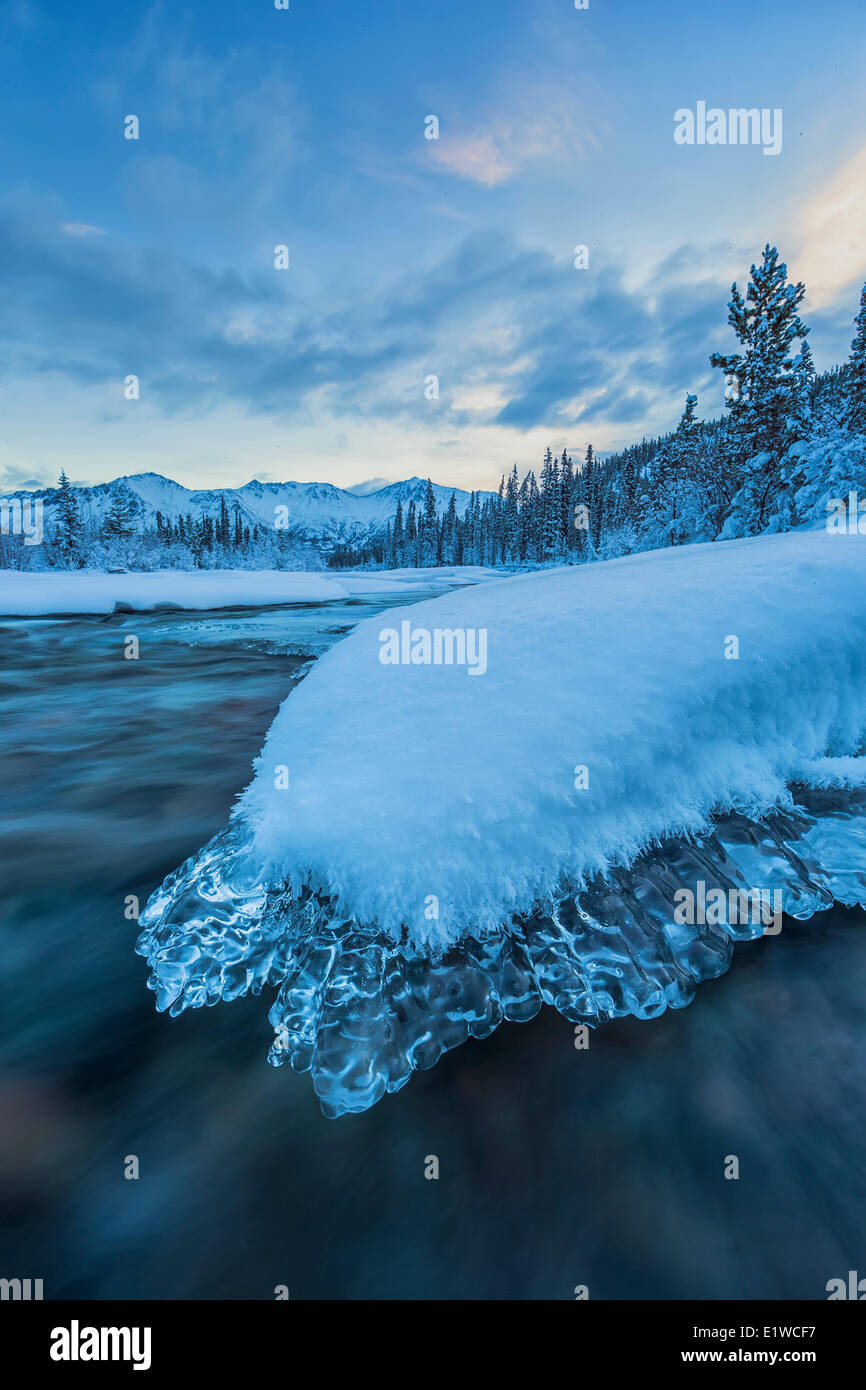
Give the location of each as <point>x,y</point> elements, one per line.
<point>558,1167</point>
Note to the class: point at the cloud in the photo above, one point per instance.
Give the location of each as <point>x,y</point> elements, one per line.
<point>525,123</point>
<point>80,229</point>
<point>831,252</point>
<point>518,339</point>
<point>370,485</point>
<point>477,157</point>
<point>486,398</point>
<point>14,479</point>
<point>219,132</point>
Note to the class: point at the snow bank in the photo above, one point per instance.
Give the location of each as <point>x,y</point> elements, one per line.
<point>31,594</point>
<point>409,581</point>
<point>621,702</point>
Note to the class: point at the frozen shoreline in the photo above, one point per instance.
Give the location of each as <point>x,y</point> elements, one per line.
<point>41,594</point>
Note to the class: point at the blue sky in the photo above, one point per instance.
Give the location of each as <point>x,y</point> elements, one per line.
<point>409,257</point>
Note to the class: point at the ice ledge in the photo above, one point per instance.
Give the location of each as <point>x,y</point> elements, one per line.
<point>362,1012</point>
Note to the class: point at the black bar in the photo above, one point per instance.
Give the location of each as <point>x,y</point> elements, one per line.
<point>223,1338</point>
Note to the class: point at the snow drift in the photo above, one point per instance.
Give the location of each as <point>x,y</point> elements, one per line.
<point>422,852</point>
<point>409,781</point>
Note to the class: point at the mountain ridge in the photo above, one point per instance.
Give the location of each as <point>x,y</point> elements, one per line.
<point>315,512</point>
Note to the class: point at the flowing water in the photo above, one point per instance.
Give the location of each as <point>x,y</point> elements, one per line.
<point>557,1166</point>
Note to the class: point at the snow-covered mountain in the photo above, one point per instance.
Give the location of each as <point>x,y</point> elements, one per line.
<point>317,512</point>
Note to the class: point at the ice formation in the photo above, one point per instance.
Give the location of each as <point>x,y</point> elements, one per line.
<point>422,854</point>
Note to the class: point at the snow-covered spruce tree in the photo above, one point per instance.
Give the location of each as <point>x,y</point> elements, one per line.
<point>579,520</point>
<point>411,542</point>
<point>566,492</point>
<point>804,379</point>
<point>448,533</point>
<point>530,523</point>
<point>717,480</point>
<point>802,430</point>
<point>672,508</point>
<point>550,500</point>
<point>826,468</point>
<point>68,530</point>
<point>620,532</point>
<point>397,536</point>
<point>594,501</point>
<point>511,519</point>
<point>119,520</point>
<point>765,404</point>
<point>459,538</point>
<point>428,528</point>
<point>222,530</point>
<point>855,404</point>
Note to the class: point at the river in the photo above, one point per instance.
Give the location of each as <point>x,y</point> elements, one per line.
<point>558,1167</point>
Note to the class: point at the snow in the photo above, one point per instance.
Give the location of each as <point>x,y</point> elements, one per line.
<point>26,594</point>
<point>420,796</point>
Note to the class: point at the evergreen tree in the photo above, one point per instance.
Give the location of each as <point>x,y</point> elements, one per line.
<point>222,527</point>
<point>428,528</point>
<point>449,532</point>
<point>592,499</point>
<point>397,535</point>
<point>804,376</point>
<point>765,405</point>
<point>566,489</point>
<point>119,520</point>
<point>511,519</point>
<point>69,529</point>
<point>411,533</point>
<point>550,507</point>
<point>672,511</point>
<point>855,403</point>
<point>534,529</point>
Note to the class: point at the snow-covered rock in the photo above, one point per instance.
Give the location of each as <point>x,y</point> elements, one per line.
<point>428,848</point>
<point>411,782</point>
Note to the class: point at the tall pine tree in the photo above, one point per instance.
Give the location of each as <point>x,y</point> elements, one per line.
<point>855,404</point>
<point>69,530</point>
<point>765,402</point>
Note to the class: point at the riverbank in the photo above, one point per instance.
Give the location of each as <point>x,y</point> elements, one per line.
<point>63,593</point>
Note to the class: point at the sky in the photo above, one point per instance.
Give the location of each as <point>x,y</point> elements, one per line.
<point>409,258</point>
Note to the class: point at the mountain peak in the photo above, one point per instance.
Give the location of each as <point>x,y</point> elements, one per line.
<point>318,512</point>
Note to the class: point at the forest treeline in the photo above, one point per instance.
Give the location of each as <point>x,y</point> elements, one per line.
<point>789,441</point>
